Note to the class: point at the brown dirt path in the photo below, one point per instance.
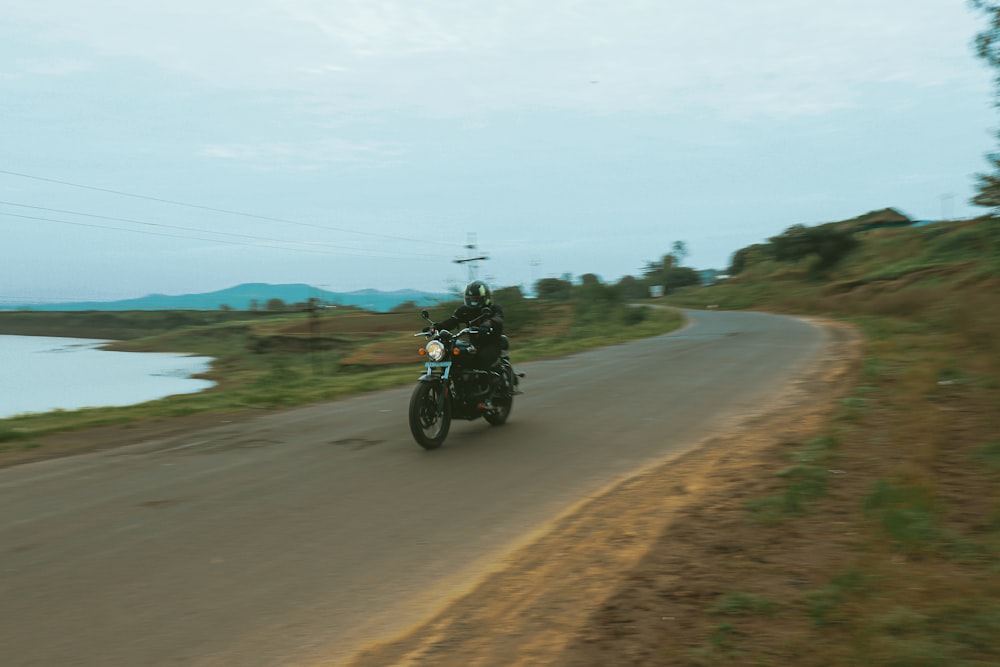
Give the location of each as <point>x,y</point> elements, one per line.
<point>624,578</point>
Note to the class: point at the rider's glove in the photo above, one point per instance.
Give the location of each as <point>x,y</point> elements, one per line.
<point>429,329</point>
<point>486,328</point>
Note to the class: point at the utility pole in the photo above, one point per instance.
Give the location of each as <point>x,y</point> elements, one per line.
<point>470,262</point>
<point>312,307</point>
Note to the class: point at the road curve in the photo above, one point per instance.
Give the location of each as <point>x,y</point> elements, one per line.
<point>303,534</point>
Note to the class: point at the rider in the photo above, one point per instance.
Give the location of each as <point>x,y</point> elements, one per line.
<point>479,311</point>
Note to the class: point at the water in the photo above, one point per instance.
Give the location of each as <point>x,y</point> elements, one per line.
<point>41,374</point>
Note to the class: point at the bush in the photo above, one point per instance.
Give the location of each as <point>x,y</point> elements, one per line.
<point>554,289</point>
<point>828,244</point>
<point>520,314</point>
<point>634,316</point>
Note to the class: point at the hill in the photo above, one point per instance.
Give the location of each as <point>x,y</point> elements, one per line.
<point>873,537</point>
<point>250,296</point>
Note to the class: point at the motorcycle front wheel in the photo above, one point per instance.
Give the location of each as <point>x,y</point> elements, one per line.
<point>428,425</point>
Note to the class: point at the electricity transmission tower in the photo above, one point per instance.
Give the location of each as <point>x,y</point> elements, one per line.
<point>471,261</point>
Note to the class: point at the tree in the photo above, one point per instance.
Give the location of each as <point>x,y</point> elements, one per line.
<point>592,290</point>
<point>554,289</point>
<point>988,187</point>
<point>669,274</point>
<point>827,243</point>
<point>519,314</point>
<point>988,48</point>
<point>745,257</point>
<point>276,305</point>
<point>631,288</point>
<point>679,252</point>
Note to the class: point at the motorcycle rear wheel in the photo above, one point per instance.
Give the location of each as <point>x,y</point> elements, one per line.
<point>501,410</point>
<point>428,426</point>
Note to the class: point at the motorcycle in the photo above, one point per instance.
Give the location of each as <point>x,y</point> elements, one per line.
<point>452,388</point>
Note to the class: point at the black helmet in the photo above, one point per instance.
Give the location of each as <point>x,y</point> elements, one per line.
<point>477,294</point>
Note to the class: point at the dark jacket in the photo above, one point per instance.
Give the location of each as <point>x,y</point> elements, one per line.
<point>487,344</point>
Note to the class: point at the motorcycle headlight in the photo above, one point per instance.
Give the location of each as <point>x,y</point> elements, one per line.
<point>435,350</point>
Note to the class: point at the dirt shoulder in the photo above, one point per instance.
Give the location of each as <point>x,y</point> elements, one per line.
<point>624,578</point>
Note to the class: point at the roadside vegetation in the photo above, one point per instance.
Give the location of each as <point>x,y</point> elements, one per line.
<point>273,359</point>
<point>906,475</point>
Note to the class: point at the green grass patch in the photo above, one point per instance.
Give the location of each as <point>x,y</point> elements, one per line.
<point>989,454</point>
<point>804,482</point>
<point>743,604</point>
<point>905,514</point>
<point>10,434</point>
<point>823,605</point>
<point>945,635</point>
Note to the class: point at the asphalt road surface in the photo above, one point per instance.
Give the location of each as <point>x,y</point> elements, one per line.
<point>296,537</point>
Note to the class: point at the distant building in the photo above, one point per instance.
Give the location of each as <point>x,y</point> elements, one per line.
<point>712,276</point>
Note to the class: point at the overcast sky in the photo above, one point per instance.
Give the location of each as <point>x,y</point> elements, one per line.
<point>358,143</point>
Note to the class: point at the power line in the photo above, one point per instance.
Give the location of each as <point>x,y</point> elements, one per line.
<point>195,229</point>
<point>141,231</point>
<point>195,238</point>
<point>223,210</point>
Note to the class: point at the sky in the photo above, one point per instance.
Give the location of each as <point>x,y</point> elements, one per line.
<point>182,147</point>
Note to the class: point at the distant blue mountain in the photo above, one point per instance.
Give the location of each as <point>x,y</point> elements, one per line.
<point>251,295</point>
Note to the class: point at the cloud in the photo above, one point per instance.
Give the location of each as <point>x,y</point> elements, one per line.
<point>775,58</point>
<point>282,155</point>
<point>59,67</point>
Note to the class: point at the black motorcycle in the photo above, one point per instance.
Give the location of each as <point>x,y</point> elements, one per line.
<point>452,388</point>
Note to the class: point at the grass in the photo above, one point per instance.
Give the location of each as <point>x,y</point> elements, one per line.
<point>913,576</point>
<point>822,603</point>
<point>905,515</point>
<point>803,482</point>
<point>743,604</point>
<point>989,454</point>
<point>920,437</point>
<point>11,434</point>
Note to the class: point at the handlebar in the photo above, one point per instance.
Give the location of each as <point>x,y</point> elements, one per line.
<point>466,330</point>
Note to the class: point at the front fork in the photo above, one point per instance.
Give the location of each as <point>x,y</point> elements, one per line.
<point>442,380</point>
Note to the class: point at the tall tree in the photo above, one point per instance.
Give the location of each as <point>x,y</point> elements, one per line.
<point>988,48</point>
<point>679,250</point>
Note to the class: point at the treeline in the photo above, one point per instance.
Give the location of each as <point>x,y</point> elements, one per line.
<point>277,305</point>
<point>589,301</point>
<point>666,273</point>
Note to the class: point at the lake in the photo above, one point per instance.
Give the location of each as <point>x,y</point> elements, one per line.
<point>41,374</point>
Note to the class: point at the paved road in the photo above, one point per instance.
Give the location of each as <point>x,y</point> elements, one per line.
<point>301,534</point>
